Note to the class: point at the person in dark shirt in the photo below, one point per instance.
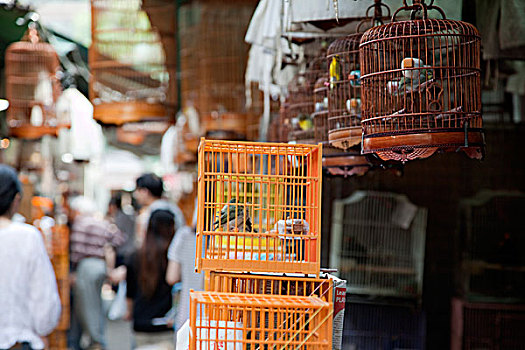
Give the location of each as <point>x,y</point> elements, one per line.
<point>149,296</point>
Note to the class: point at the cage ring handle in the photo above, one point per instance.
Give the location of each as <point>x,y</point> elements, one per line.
<point>377,6</point>
<point>418,5</point>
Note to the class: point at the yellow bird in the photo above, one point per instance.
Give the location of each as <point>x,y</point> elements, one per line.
<point>335,70</point>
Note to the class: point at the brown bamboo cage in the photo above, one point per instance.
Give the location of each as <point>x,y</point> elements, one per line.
<point>32,87</point>
<point>421,87</point>
<point>320,115</point>
<point>344,93</point>
<point>213,62</point>
<point>246,321</point>
<point>299,109</point>
<point>130,73</point>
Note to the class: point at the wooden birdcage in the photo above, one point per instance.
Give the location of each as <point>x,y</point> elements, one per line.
<point>259,207</point>
<point>32,87</point>
<point>320,115</point>
<point>254,321</point>
<point>421,87</point>
<point>130,73</point>
<point>213,62</point>
<point>344,93</point>
<point>300,108</point>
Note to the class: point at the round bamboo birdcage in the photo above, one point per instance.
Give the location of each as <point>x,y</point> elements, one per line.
<point>421,87</point>
<point>32,87</point>
<point>300,107</point>
<point>130,73</point>
<point>320,115</point>
<point>344,93</point>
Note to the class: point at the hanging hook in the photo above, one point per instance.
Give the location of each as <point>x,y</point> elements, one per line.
<point>336,9</point>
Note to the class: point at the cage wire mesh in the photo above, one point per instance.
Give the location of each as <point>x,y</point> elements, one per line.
<point>320,115</point>
<point>493,231</point>
<point>245,321</point>
<point>271,285</point>
<point>487,325</point>
<point>130,73</point>
<point>379,244</point>
<point>381,326</point>
<point>259,207</point>
<point>32,87</point>
<point>421,87</point>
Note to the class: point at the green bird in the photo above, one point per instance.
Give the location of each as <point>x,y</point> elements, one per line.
<point>233,216</point>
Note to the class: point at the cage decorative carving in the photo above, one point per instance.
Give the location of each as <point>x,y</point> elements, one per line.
<point>246,321</point>
<point>130,73</point>
<point>379,244</point>
<point>259,207</point>
<point>32,87</point>
<point>344,96</point>
<point>421,87</point>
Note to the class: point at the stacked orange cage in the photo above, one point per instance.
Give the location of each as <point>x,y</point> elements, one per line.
<point>60,261</point>
<point>259,217</point>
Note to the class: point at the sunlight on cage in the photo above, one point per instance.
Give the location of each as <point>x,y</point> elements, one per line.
<point>259,207</point>
<point>130,79</point>
<point>379,244</point>
<point>244,321</point>
<point>344,94</point>
<point>270,284</point>
<point>32,87</point>
<point>421,87</point>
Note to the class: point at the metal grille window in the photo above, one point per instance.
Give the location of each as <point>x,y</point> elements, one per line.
<point>378,244</point>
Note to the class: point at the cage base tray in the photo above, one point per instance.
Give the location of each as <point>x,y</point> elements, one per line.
<point>345,138</point>
<point>119,113</point>
<point>423,144</point>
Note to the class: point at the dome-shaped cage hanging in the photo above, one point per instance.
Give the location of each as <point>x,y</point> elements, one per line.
<point>32,87</point>
<point>130,74</point>
<point>344,93</point>
<point>299,109</point>
<point>421,87</point>
<point>320,115</point>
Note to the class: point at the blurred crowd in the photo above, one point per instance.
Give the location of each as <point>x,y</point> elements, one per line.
<point>141,252</point>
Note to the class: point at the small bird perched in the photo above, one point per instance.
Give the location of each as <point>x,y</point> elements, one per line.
<point>305,122</point>
<point>335,71</point>
<point>234,217</point>
<point>412,79</point>
<point>355,78</point>
<point>353,106</point>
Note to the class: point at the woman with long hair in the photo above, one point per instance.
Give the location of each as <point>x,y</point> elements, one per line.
<point>149,296</point>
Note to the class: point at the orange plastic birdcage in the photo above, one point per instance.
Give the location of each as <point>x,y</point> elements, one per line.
<point>259,207</point>
<point>270,284</point>
<point>421,89</point>
<point>246,321</point>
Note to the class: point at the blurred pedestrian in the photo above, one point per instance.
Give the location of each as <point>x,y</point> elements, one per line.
<point>126,224</point>
<point>181,267</point>
<point>29,300</point>
<point>148,193</point>
<point>93,254</point>
<point>149,296</point>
